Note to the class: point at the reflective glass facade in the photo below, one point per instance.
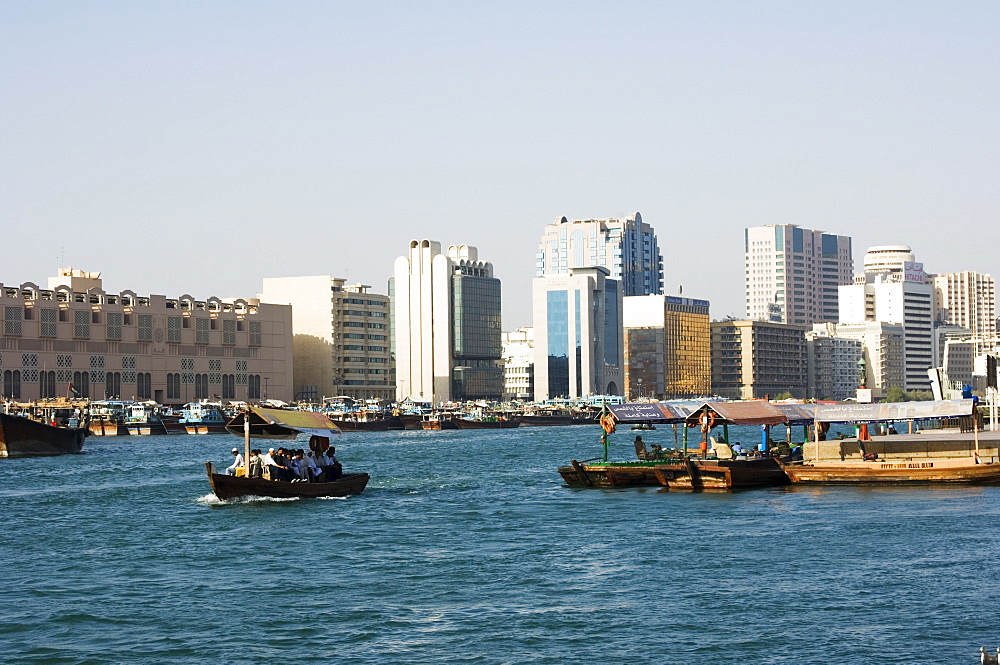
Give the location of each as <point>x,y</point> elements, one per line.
<point>557,316</point>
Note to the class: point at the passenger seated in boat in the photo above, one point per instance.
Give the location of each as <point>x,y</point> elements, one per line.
<point>279,468</point>
<point>332,469</point>
<point>738,449</point>
<point>237,462</point>
<point>256,465</point>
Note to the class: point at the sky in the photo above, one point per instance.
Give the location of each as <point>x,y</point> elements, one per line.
<point>190,147</point>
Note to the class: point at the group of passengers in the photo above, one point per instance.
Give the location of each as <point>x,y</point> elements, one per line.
<point>291,465</point>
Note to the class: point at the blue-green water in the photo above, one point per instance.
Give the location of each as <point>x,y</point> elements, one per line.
<point>467,548</point>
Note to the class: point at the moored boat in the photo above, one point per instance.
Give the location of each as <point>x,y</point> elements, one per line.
<point>23,437</point>
<point>203,418</point>
<point>487,423</point>
<point>939,455</point>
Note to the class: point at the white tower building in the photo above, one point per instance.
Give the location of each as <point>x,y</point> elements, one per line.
<point>894,289</point>
<point>446,325</point>
<point>967,299</point>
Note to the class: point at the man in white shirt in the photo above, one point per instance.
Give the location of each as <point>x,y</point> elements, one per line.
<point>237,462</point>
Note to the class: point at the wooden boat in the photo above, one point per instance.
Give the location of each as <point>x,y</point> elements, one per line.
<point>931,456</point>
<point>620,474</point>
<point>350,425</point>
<point>23,437</point>
<point>709,474</point>
<point>496,423</point>
<point>690,474</point>
<point>261,422</point>
<point>895,472</point>
<point>232,487</point>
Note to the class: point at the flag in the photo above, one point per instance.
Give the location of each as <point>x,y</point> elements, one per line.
<point>72,391</point>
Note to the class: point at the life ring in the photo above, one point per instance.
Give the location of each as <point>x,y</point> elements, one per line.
<point>608,423</point>
<point>319,444</point>
<point>707,420</point>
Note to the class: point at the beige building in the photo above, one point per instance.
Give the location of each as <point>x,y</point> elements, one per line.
<point>967,299</point>
<point>756,359</point>
<point>75,336</point>
<point>340,337</point>
<point>668,351</point>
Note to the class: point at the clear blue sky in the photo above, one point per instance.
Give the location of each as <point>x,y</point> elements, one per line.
<point>191,147</point>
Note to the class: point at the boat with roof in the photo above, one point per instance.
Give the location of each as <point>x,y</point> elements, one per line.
<point>714,465</point>
<point>942,443</point>
<point>261,422</point>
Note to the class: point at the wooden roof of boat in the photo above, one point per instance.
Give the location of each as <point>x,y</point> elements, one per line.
<point>755,412</point>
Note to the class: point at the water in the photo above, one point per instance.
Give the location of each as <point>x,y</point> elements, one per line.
<point>467,548</point>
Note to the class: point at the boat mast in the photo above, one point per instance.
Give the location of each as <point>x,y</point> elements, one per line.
<point>246,442</point>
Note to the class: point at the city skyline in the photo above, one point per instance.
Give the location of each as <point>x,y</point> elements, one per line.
<point>273,141</point>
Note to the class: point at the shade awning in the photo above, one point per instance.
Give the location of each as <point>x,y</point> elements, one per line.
<point>307,422</point>
<point>893,411</point>
<point>756,412</point>
<point>650,412</point>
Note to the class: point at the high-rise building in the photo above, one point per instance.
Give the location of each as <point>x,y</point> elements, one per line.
<point>446,325</point>
<point>668,351</point>
<point>967,299</point>
<point>758,359</point>
<point>627,248</point>
<point>75,337</point>
<point>792,274</point>
<point>578,334</point>
<point>341,337</point>
<point>894,289</point>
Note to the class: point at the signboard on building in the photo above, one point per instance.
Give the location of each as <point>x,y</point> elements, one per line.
<point>914,272</point>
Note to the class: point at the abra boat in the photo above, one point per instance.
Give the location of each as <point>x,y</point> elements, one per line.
<point>940,455</point>
<point>678,469</point>
<point>280,422</point>
<point>232,487</point>
<point>23,437</point>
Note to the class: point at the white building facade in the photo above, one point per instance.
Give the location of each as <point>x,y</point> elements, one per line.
<point>793,274</point>
<point>519,364</point>
<point>894,289</point>
<point>833,363</point>
<point>446,325</point>
<point>967,299</point>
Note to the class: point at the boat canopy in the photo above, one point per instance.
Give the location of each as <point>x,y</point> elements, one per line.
<point>308,422</point>
<point>650,412</point>
<point>892,411</point>
<point>797,414</point>
<point>754,412</point>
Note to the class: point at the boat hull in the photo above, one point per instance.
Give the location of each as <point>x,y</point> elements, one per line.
<point>233,487</point>
<point>730,474</point>
<point>690,475</point>
<point>486,424</point>
<point>362,425</point>
<point>21,437</point>
<point>890,472</point>
<point>205,428</point>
